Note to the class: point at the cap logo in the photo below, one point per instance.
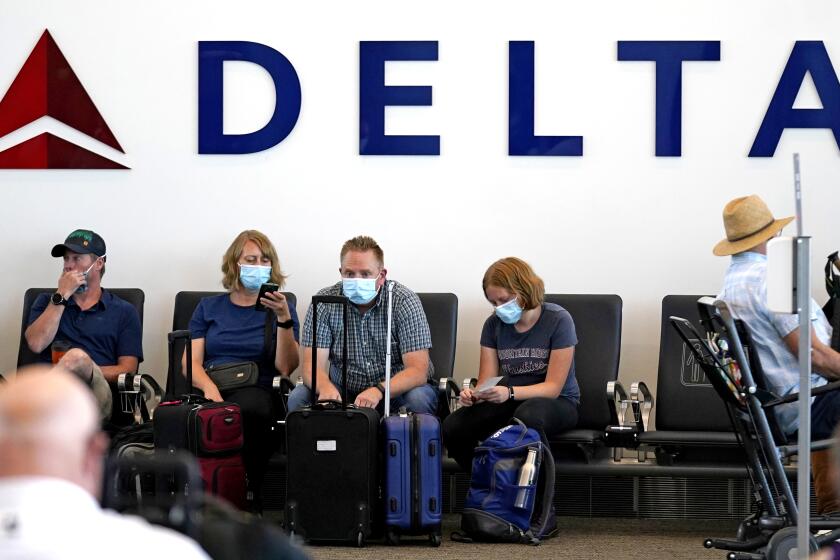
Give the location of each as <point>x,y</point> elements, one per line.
<point>84,234</point>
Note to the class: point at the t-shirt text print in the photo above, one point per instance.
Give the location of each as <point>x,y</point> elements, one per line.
<point>523,357</point>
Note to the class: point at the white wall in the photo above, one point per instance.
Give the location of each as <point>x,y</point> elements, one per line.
<point>617,220</point>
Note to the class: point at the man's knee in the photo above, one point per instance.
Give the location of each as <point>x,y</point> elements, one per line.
<point>79,363</point>
<point>421,399</point>
<point>300,397</point>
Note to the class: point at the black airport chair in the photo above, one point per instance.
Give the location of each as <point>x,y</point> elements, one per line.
<point>185,304</point>
<point>597,319</point>
<point>692,425</point>
<point>134,296</point>
<point>442,314</point>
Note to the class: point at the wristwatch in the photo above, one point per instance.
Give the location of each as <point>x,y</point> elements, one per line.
<point>510,393</point>
<point>381,388</point>
<point>58,299</point>
<point>285,324</point>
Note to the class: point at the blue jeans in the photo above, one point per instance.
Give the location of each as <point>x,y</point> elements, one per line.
<point>418,399</point>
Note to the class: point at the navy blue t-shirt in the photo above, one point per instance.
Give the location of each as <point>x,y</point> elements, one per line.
<point>233,333</point>
<point>523,357</point>
<point>106,331</point>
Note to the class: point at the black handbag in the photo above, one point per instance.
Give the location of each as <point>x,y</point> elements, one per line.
<point>237,375</point>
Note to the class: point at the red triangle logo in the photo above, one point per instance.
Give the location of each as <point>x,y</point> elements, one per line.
<point>47,86</point>
<point>47,151</point>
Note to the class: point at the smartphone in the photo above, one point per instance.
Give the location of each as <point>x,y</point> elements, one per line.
<point>264,289</point>
<point>488,384</point>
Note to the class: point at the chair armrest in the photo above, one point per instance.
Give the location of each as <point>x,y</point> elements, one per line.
<point>792,397</point>
<point>617,402</point>
<point>448,386</point>
<point>282,384</point>
<point>139,395</point>
<point>642,403</point>
<point>619,433</point>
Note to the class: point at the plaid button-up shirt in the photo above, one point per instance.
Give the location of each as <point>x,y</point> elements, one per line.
<point>366,336</point>
<point>745,291</point>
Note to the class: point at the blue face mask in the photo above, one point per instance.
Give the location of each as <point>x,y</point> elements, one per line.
<point>359,290</point>
<point>83,288</point>
<point>509,312</point>
<point>253,276</point>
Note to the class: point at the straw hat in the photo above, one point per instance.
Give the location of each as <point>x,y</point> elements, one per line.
<point>748,222</point>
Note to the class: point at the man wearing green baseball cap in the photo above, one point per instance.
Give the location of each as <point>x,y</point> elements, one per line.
<point>90,331</point>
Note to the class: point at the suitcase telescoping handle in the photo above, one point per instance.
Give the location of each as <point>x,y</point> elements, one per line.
<point>344,302</point>
<point>388,352</point>
<point>173,338</point>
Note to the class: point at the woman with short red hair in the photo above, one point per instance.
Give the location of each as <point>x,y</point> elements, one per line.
<point>530,344</point>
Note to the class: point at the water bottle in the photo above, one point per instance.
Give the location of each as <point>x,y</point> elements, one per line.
<point>527,475</point>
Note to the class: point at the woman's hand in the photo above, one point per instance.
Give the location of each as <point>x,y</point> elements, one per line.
<point>212,392</point>
<point>497,394</point>
<point>467,397</point>
<point>276,301</point>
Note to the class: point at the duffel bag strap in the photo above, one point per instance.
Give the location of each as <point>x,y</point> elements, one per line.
<point>548,490</point>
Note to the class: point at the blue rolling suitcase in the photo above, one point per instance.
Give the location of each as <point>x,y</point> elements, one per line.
<point>412,494</point>
<point>412,477</point>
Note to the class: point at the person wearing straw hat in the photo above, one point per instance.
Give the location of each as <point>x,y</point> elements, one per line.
<point>749,225</point>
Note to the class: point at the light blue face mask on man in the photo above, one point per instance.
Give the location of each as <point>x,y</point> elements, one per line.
<point>83,288</point>
<point>359,290</point>
<point>509,312</point>
<point>253,276</point>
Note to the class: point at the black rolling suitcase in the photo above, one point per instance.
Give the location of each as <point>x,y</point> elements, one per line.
<point>161,490</point>
<point>332,483</point>
<point>211,431</point>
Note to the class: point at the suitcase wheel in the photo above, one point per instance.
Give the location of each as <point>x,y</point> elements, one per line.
<point>392,538</point>
<point>435,539</point>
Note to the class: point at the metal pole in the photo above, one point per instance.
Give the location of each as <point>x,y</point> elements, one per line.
<point>803,474</point>
<point>803,307</point>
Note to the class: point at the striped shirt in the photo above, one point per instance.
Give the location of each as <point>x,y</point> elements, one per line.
<point>745,291</point>
<point>366,336</point>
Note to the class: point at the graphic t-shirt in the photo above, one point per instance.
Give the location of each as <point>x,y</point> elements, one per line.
<point>523,357</point>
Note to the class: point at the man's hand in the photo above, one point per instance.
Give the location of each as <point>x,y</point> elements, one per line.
<point>369,398</point>
<point>328,392</point>
<point>497,394</point>
<point>69,282</point>
<point>278,304</point>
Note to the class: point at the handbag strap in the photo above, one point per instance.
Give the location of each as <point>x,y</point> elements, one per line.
<point>269,349</point>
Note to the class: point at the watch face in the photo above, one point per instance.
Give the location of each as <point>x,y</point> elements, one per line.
<point>57,299</point>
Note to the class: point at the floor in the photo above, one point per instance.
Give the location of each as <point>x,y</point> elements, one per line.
<point>579,538</point>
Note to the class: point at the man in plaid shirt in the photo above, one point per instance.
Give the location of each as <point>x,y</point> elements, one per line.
<point>363,276</point>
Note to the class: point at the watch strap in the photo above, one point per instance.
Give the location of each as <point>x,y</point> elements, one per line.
<point>285,324</point>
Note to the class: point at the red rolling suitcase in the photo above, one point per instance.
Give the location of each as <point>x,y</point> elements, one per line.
<point>332,484</point>
<point>211,431</point>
